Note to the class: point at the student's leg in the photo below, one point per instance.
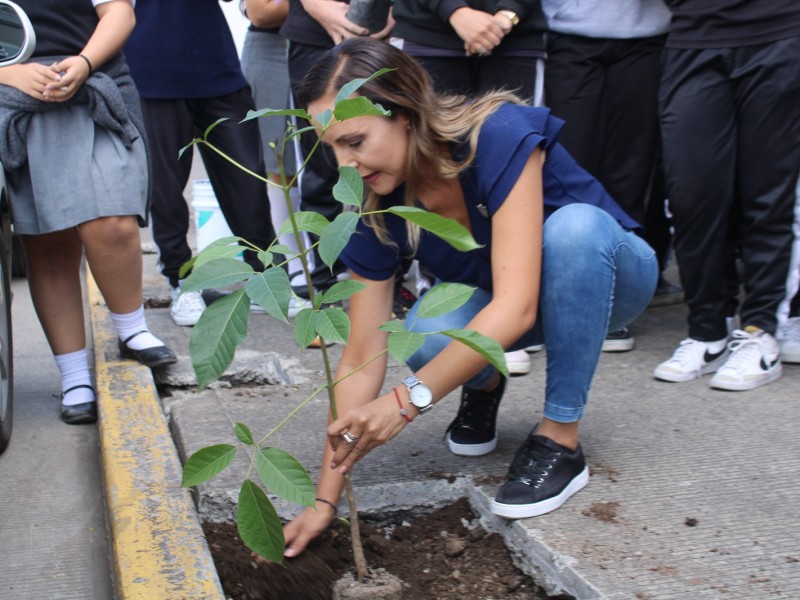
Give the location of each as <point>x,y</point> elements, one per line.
<point>242,197</point>
<point>169,128</point>
<point>54,261</point>
<point>699,130</point>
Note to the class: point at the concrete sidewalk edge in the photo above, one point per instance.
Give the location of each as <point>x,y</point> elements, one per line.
<point>159,549</point>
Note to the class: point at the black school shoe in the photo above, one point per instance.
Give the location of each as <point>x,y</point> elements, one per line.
<point>474,430</point>
<point>157,356</point>
<point>542,476</point>
<point>79,414</point>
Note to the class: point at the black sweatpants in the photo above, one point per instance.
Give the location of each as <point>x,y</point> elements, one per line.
<point>606,90</point>
<point>730,120</point>
<point>170,125</point>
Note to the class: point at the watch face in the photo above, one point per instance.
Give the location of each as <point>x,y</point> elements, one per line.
<point>420,396</point>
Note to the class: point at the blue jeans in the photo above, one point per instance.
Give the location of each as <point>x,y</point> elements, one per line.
<point>596,277</point>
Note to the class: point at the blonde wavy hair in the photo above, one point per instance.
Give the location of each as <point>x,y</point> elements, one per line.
<point>435,121</point>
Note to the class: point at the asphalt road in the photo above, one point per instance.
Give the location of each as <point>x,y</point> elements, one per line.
<point>53,541</point>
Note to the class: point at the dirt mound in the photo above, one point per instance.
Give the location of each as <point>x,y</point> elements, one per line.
<point>442,555</point>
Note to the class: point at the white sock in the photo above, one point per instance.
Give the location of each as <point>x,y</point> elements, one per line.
<point>74,369</point>
<point>131,323</point>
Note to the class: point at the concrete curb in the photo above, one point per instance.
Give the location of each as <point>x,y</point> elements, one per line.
<point>159,550</point>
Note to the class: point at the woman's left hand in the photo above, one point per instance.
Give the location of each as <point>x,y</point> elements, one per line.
<point>73,72</point>
<point>361,429</point>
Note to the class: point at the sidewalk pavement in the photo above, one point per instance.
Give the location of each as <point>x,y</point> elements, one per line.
<point>693,492</point>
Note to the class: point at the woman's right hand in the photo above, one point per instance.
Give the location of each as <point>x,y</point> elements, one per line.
<point>307,526</point>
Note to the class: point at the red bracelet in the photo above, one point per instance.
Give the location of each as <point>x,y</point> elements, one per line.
<point>403,411</point>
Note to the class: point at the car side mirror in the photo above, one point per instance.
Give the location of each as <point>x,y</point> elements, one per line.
<point>17,38</point>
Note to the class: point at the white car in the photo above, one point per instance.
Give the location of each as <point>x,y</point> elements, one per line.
<point>17,41</point>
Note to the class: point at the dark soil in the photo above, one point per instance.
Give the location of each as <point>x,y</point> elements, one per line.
<point>443,555</point>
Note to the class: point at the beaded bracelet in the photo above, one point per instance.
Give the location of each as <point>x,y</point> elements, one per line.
<point>403,411</point>
<point>88,63</point>
<point>329,503</point>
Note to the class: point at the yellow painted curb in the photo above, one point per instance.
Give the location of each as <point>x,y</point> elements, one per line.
<point>159,549</point>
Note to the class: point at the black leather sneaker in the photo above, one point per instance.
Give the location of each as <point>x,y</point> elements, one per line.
<point>542,476</point>
<point>474,430</point>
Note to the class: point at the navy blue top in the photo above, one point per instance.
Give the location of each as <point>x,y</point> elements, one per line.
<point>183,49</point>
<point>506,141</point>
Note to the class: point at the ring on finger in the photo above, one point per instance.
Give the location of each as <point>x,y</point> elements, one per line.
<point>349,437</point>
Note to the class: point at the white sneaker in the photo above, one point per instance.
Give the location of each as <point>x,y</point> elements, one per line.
<point>790,341</point>
<point>186,308</point>
<point>755,360</point>
<point>689,361</point>
<point>295,306</point>
<point>518,362</point>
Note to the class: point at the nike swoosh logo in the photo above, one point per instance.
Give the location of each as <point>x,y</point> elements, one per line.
<point>765,366</point>
<point>708,357</point>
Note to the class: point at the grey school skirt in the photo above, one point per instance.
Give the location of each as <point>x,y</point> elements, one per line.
<point>76,172</point>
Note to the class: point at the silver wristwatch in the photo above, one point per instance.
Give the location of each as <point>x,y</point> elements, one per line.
<point>419,394</point>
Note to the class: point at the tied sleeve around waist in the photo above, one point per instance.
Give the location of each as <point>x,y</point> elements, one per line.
<point>110,94</point>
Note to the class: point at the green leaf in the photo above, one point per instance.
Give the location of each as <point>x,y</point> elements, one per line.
<point>350,88</point>
<point>272,290</point>
<point>282,475</point>
<point>487,347</point>
<point>333,324</point>
<point>403,344</point>
<point>219,273</point>
<point>392,326</point>
<point>270,112</point>
<point>304,330</point>
<point>258,524</point>
<point>187,146</point>
<point>349,189</point>
<point>265,256</point>
<point>325,117</point>
<point>449,230</point>
<point>443,298</point>
<point>350,108</point>
<point>211,127</point>
<point>306,221</point>
<point>206,463</point>
<point>282,249</point>
<point>212,253</point>
<point>341,290</point>
<point>243,434</point>
<point>213,341</point>
<point>335,237</point>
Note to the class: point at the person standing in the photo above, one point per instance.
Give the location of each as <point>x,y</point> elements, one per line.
<point>730,119</point>
<point>264,64</point>
<point>312,27</point>
<point>77,173</point>
<point>184,62</point>
<point>602,78</point>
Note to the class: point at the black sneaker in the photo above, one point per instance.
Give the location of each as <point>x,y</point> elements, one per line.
<point>474,430</point>
<point>403,300</point>
<point>619,340</point>
<point>542,476</point>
